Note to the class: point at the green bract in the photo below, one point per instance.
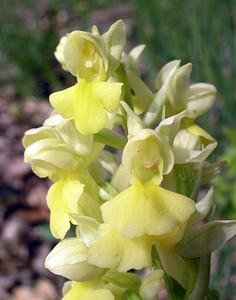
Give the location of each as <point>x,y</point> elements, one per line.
<point>127,165</point>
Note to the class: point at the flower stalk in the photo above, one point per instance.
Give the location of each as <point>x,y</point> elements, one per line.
<point>128,166</point>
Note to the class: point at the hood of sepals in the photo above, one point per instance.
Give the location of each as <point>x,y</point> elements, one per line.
<point>147,155</point>
<point>84,55</point>
<point>88,104</point>
<point>92,56</point>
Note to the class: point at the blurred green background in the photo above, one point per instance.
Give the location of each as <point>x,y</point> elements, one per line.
<point>201,32</point>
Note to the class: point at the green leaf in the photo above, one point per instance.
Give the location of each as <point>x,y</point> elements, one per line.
<point>208,238</point>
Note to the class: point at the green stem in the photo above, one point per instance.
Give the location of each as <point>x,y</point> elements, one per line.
<point>110,138</point>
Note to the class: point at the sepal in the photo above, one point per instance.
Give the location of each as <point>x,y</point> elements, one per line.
<point>114,40</point>
<point>202,241</point>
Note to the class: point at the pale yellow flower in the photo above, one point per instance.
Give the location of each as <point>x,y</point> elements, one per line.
<point>69,259</point>
<point>147,209</point>
<point>112,250</point>
<point>147,155</point>
<point>88,104</point>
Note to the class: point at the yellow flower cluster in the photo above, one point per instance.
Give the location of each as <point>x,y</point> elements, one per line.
<point>122,208</point>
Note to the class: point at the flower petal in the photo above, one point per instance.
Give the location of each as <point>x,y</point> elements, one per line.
<point>112,250</point>
<point>88,291</point>
<point>62,200</point>
<point>63,101</point>
<point>88,103</point>
<point>147,209</point>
